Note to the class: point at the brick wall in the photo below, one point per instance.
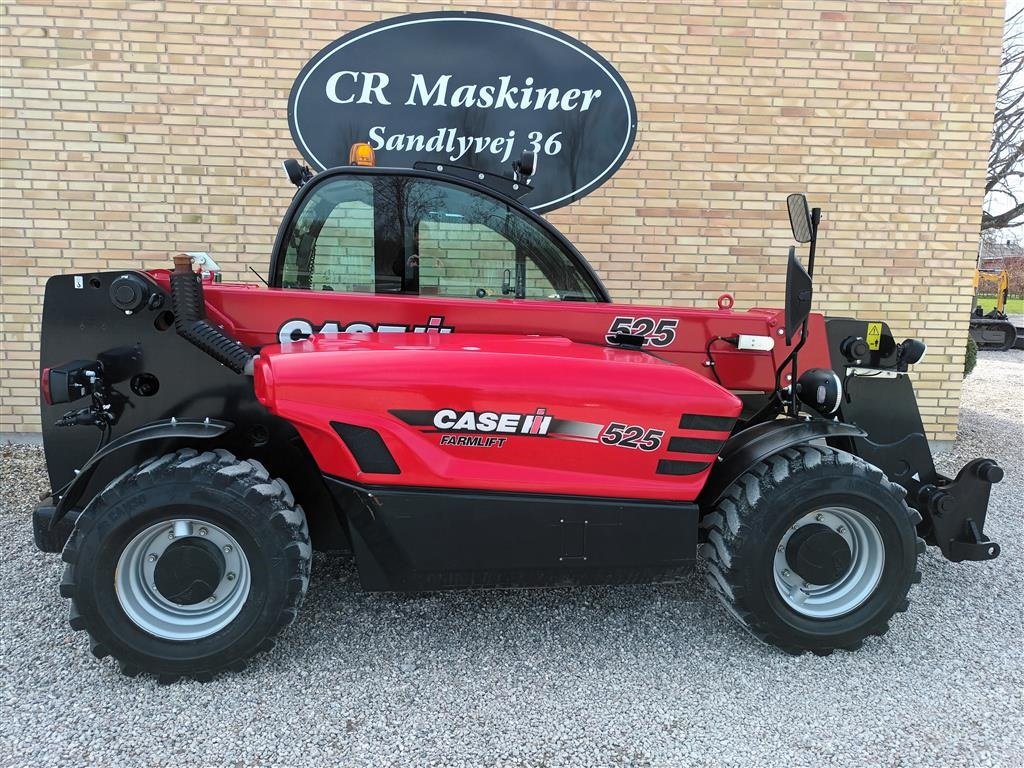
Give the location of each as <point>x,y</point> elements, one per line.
<point>132,130</point>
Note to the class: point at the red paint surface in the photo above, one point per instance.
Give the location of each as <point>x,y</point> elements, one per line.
<point>254,314</point>
<point>361,379</point>
<point>501,356</point>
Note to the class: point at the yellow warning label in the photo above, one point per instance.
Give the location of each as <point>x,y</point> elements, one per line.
<point>874,337</point>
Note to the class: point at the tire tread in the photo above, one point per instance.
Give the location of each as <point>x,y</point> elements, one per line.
<point>726,527</point>
<point>248,480</point>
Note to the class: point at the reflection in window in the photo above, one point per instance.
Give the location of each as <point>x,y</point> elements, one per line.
<point>331,245</point>
<point>460,258</point>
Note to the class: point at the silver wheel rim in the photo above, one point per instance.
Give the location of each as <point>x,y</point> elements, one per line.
<point>153,612</point>
<point>856,585</point>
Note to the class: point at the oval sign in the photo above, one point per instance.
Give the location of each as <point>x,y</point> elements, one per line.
<point>472,89</point>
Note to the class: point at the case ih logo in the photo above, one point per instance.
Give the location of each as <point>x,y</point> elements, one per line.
<point>540,423</point>
<point>536,423</point>
<point>479,422</point>
<point>300,328</point>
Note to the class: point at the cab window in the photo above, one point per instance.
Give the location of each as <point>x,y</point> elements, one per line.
<point>331,244</point>
<point>410,235</point>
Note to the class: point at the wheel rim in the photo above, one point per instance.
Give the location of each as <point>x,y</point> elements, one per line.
<point>154,560</point>
<point>856,583</point>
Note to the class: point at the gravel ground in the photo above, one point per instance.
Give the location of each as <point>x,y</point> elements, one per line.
<point>638,676</point>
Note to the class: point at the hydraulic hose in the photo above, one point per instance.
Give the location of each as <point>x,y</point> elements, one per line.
<point>191,323</point>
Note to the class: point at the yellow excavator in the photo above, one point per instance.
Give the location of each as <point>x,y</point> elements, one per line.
<point>994,329</point>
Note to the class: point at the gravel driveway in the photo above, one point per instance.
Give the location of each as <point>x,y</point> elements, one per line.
<point>642,676</point>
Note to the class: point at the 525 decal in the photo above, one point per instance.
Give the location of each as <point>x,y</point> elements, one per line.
<point>632,436</point>
<point>656,333</point>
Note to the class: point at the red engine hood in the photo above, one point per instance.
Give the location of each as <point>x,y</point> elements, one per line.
<point>468,411</point>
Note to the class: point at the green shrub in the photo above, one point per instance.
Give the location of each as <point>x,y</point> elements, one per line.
<point>971,358</point>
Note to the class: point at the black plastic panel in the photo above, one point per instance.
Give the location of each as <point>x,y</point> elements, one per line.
<point>695,445</point>
<point>414,538</point>
<point>672,467</point>
<point>367,448</point>
<point>711,423</point>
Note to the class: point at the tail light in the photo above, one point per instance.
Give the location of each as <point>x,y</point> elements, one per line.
<point>69,382</point>
<point>44,386</point>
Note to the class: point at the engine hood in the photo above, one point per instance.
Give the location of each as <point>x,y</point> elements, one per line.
<point>469,411</point>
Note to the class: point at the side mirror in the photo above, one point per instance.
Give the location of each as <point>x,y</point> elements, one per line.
<point>798,294</point>
<point>800,218</point>
<point>526,166</point>
<point>298,174</point>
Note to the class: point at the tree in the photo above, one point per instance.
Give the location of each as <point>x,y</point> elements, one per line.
<point>1004,187</point>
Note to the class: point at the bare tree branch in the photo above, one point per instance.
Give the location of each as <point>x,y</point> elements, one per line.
<point>1006,157</point>
<point>1002,220</point>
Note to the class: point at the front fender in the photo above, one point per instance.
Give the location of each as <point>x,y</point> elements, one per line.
<point>746,449</point>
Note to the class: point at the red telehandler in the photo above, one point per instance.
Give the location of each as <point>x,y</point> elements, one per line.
<point>435,380</point>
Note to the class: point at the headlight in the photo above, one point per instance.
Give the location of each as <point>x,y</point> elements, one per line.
<point>820,389</point>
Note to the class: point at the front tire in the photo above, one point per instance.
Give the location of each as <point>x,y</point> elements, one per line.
<point>187,565</point>
<point>812,550</point>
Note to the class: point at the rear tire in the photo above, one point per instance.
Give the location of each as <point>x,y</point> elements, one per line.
<point>865,550</point>
<point>236,578</point>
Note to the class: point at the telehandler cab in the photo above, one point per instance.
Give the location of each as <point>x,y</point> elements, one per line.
<point>436,380</point>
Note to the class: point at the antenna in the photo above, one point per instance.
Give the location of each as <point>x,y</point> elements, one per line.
<point>259,276</point>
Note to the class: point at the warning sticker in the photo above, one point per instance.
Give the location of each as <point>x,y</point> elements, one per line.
<point>874,335</point>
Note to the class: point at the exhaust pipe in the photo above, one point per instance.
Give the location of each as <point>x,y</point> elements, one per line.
<point>191,323</point>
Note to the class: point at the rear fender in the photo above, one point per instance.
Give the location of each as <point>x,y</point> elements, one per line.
<point>746,449</point>
<point>169,429</point>
<point>55,517</point>
<point>287,458</point>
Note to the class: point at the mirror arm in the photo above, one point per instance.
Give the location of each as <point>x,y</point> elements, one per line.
<point>791,362</point>
<point>794,405</point>
<point>815,220</point>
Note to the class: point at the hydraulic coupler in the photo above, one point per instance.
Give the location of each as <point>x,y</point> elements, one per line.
<point>956,510</point>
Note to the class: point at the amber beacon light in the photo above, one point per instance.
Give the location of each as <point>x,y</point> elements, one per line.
<point>361,154</point>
